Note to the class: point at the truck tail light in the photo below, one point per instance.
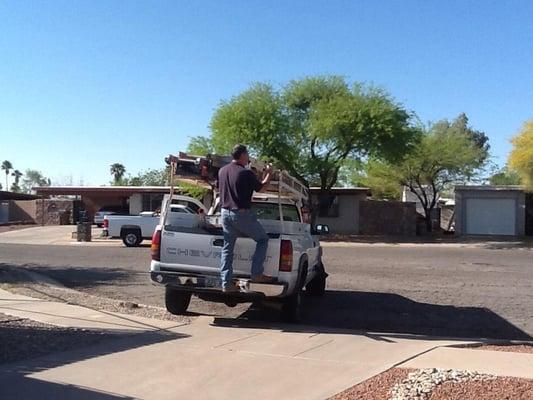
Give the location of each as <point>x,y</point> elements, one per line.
<point>106,223</point>
<point>156,246</point>
<point>285,256</point>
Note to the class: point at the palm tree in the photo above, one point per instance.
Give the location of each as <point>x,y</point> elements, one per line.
<point>7,167</point>
<point>17,174</point>
<point>15,185</point>
<point>118,171</point>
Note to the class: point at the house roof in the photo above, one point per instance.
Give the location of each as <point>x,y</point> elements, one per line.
<point>116,190</point>
<point>501,188</point>
<point>129,190</point>
<point>342,190</point>
<point>16,196</point>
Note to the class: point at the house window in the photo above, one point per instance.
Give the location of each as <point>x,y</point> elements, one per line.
<point>151,201</point>
<point>328,206</point>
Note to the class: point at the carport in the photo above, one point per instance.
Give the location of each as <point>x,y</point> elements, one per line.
<point>492,210</point>
<point>133,198</point>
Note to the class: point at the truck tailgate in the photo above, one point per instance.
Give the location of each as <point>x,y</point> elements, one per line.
<point>186,249</point>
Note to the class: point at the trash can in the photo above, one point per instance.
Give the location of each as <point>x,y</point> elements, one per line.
<point>83,233</point>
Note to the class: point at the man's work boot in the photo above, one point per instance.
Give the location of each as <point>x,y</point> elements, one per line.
<point>231,288</point>
<point>264,279</point>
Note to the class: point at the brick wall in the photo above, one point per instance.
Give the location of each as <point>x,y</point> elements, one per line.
<point>22,210</point>
<point>54,212</point>
<point>387,218</point>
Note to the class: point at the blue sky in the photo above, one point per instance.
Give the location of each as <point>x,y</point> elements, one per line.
<point>84,84</point>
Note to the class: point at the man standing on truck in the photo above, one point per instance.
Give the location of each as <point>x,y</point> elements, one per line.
<point>236,184</point>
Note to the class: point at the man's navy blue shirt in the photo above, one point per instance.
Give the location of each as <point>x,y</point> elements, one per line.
<point>236,185</point>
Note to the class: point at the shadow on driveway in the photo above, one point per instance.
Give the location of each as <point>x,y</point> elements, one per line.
<point>16,384</point>
<point>70,276</point>
<point>386,312</point>
<point>339,309</point>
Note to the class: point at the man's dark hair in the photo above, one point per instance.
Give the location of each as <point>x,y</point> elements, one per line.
<point>238,151</point>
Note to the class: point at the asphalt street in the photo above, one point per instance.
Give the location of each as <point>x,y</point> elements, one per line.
<point>443,290</point>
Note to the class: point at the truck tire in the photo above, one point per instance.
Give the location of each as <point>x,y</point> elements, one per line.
<point>131,237</point>
<point>317,286</point>
<point>176,301</point>
<point>291,305</point>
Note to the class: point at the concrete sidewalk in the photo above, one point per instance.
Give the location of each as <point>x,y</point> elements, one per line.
<point>207,359</point>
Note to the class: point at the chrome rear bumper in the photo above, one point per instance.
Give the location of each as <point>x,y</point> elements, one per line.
<point>213,284</point>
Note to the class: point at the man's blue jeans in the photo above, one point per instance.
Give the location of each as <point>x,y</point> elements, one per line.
<point>241,224</point>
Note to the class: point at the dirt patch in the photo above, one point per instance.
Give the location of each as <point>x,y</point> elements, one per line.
<point>376,388</point>
<point>497,389</point>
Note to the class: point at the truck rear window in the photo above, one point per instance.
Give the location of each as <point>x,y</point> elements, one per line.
<point>270,211</point>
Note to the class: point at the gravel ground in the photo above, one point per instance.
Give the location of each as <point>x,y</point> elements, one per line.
<point>381,387</point>
<point>10,279</point>
<point>22,338</point>
<point>421,383</point>
<point>376,388</point>
<point>497,389</point>
<point>513,348</point>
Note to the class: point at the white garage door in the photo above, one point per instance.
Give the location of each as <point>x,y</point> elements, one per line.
<point>490,216</point>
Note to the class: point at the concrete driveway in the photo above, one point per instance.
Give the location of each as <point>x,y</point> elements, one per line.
<point>211,358</point>
<point>53,235</point>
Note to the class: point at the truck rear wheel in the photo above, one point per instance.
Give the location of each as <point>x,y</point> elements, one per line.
<point>317,286</point>
<point>131,237</point>
<point>290,308</point>
<point>177,301</point>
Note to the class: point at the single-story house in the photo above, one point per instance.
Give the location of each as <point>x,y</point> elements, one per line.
<point>351,211</point>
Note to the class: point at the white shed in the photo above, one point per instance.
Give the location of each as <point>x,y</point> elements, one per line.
<point>490,210</point>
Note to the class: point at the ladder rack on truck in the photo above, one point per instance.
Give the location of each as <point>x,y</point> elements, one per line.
<point>203,171</point>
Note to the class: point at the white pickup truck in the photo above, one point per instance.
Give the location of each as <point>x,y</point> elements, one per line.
<point>132,229</point>
<point>186,258</point>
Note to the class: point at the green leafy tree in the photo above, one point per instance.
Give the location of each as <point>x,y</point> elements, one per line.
<point>150,177</point>
<point>505,176</point>
<point>444,156</point>
<point>7,167</point>
<point>33,178</point>
<point>460,125</point>
<point>117,170</point>
<point>200,145</point>
<point>310,127</point>
<point>521,157</point>
<point>194,191</point>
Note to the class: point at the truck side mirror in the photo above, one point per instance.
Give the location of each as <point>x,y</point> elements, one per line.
<point>322,229</point>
